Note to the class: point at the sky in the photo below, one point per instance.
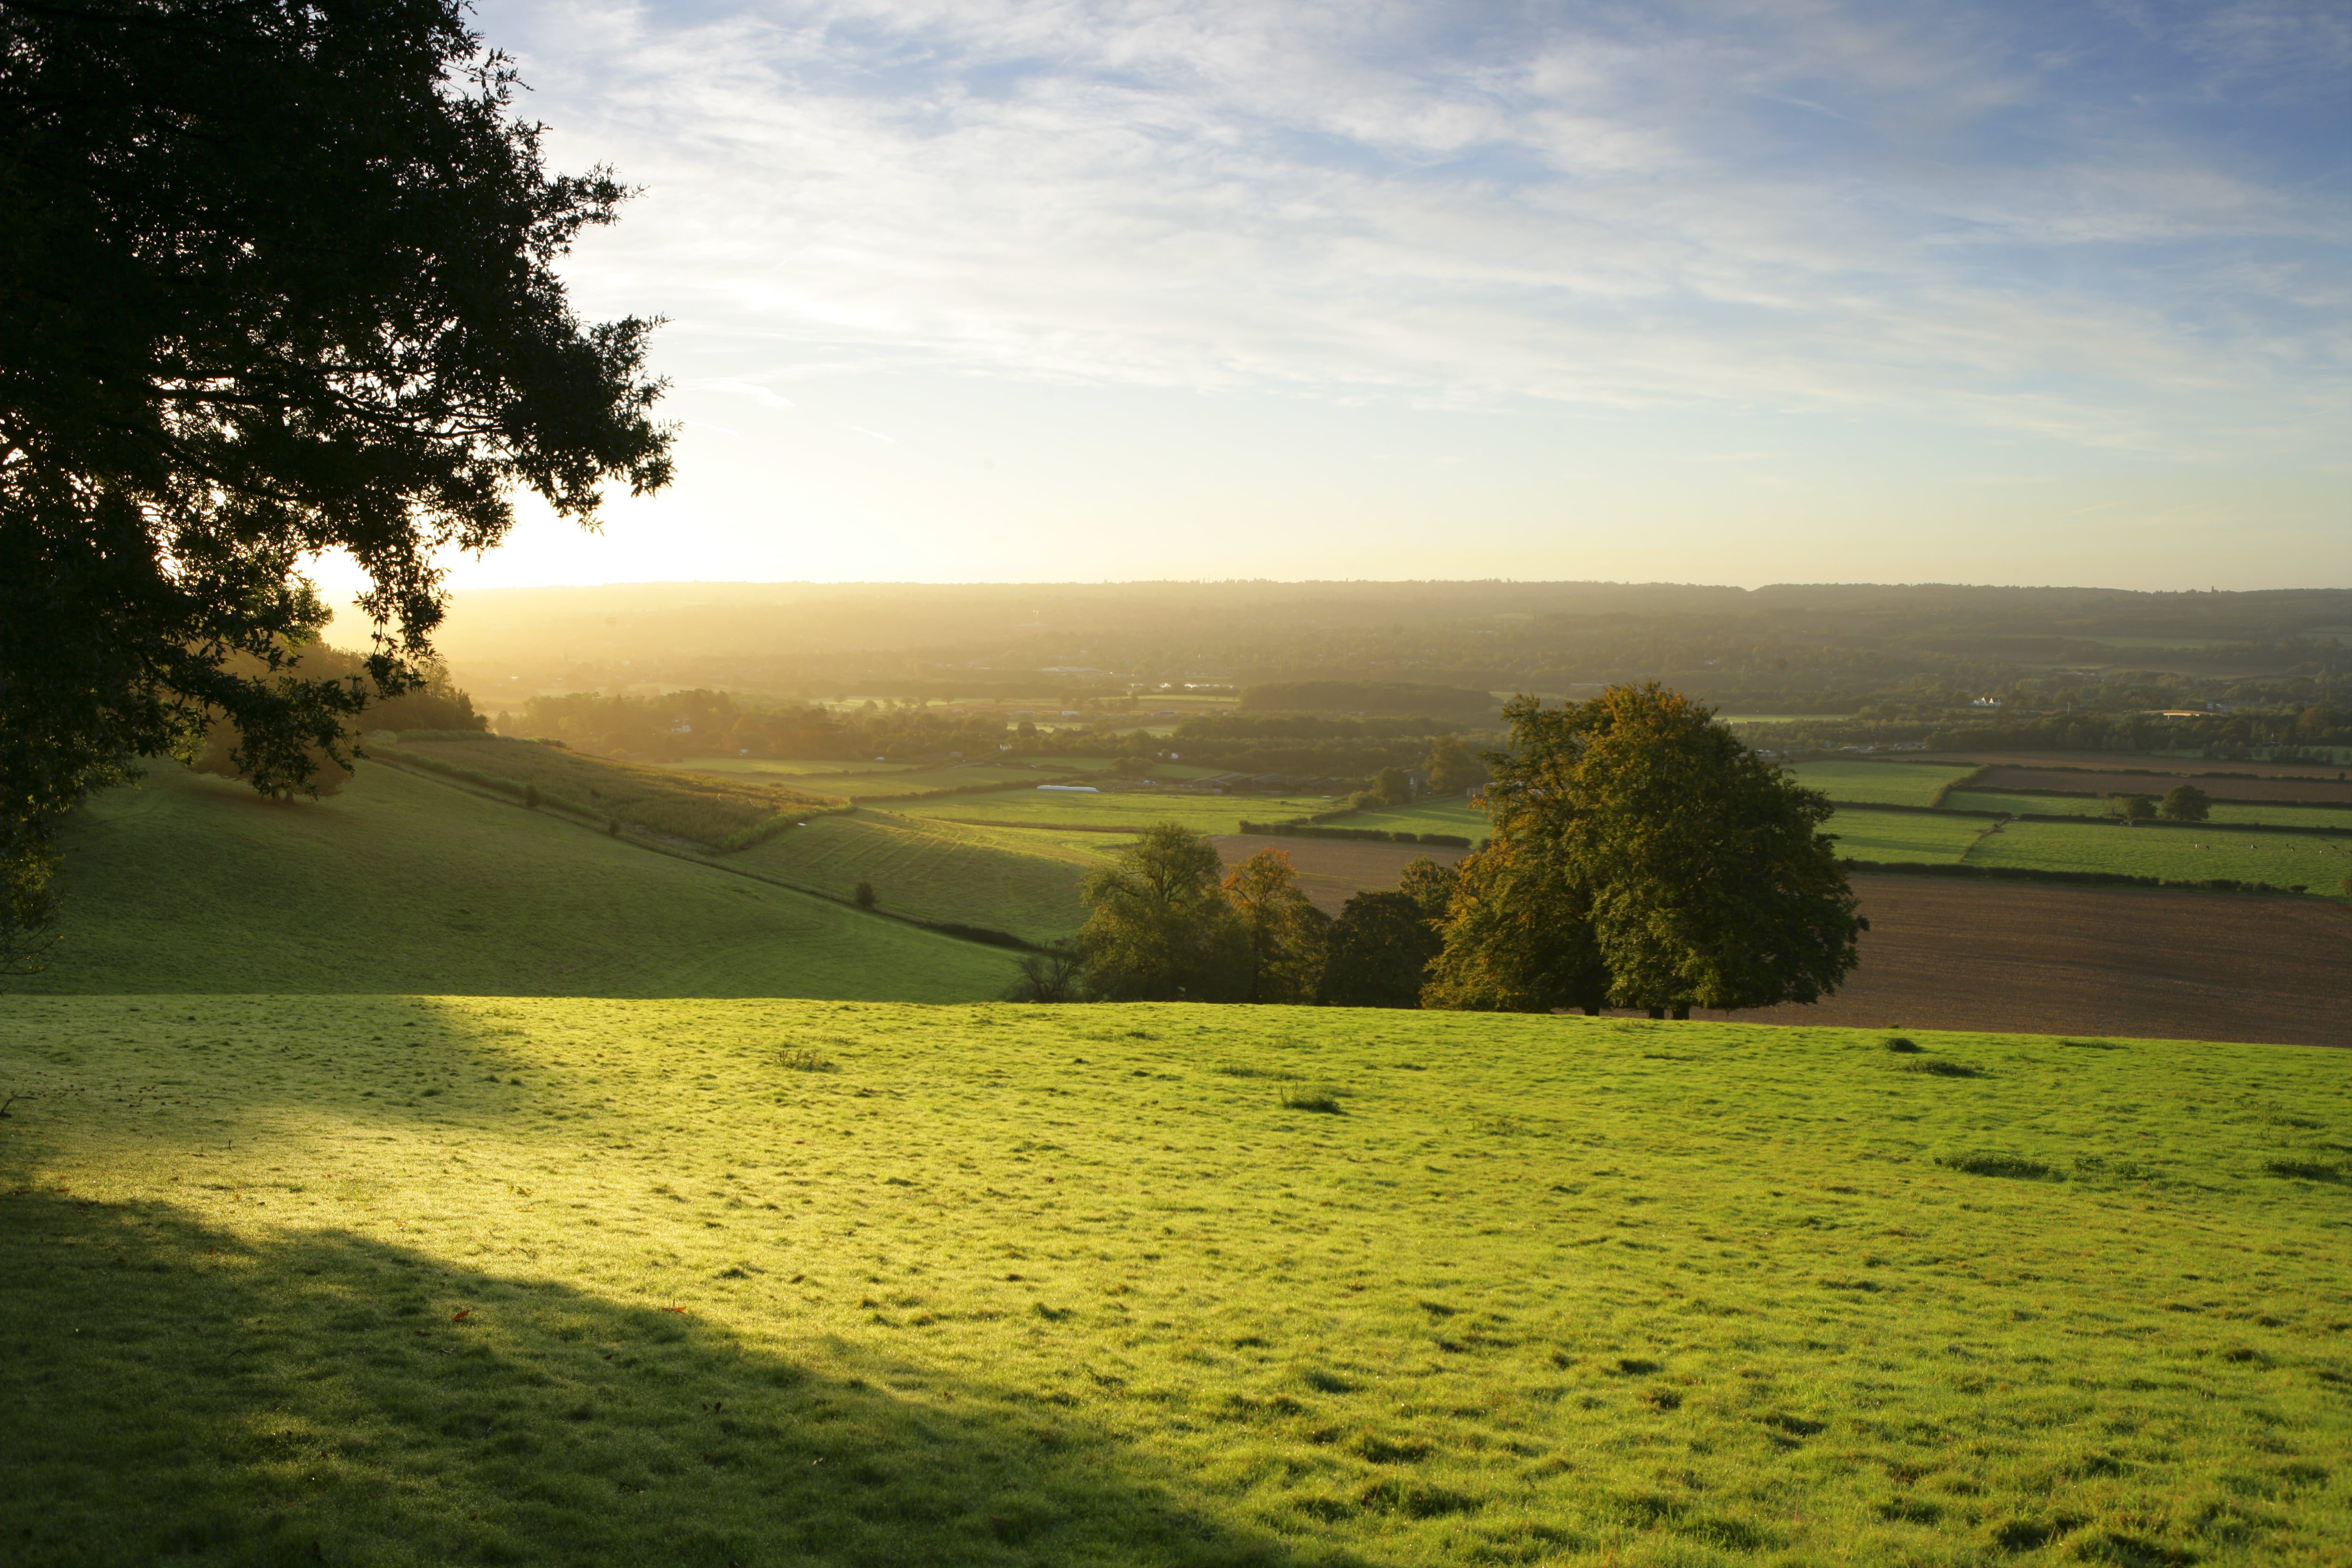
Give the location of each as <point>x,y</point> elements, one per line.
<point>1735,292</point>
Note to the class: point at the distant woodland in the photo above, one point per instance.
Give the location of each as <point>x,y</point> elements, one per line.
<point>768,667</point>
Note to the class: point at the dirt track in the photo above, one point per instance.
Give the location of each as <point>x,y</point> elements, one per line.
<point>2017,956</point>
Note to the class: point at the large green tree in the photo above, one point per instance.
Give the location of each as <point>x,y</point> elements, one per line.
<point>277,277</point>
<point>1159,928</point>
<point>1643,856</point>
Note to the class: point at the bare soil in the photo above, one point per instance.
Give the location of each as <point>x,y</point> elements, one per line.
<point>1331,870</point>
<point>2012,956</point>
<point>2158,962</point>
<point>2309,788</point>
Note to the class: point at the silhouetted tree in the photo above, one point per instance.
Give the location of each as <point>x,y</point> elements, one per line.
<point>1049,974</point>
<point>277,278</point>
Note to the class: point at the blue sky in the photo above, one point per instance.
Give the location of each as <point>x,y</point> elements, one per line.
<point>1729,293</point>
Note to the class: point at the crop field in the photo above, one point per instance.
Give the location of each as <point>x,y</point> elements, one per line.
<point>1903,835</point>
<point>2282,859</point>
<point>1878,784</point>
<point>1023,881</point>
<point>435,1280</point>
<point>787,770</point>
<point>193,883</point>
<point>1114,811</point>
<point>2097,805</point>
<point>715,813</point>
<point>2285,788</point>
<point>1452,813</point>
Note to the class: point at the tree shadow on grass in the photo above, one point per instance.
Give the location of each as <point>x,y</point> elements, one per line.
<point>175,1394</point>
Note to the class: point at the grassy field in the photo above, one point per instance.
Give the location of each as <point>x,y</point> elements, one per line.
<point>188,883</point>
<point>2094,806</point>
<point>714,813</point>
<point>413,1281</point>
<point>1023,881</point>
<point>2282,859</point>
<point>1904,836</point>
<point>1139,808</point>
<point>1454,813</point>
<point>1879,784</point>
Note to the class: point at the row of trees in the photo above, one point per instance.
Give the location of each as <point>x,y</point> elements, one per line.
<point>1641,857</point>
<point>1164,924</point>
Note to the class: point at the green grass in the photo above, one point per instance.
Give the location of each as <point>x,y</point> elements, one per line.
<point>1125,809</point>
<point>1023,881</point>
<point>2282,859</point>
<point>1454,814</point>
<point>1879,784</point>
<point>2097,805</point>
<point>713,813</point>
<point>1904,836</point>
<point>188,883</point>
<point>413,1280</point>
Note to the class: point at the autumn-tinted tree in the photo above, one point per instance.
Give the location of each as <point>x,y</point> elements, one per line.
<point>277,277</point>
<point>1159,928</point>
<point>1641,851</point>
<point>2187,803</point>
<point>1394,785</point>
<point>1286,933</point>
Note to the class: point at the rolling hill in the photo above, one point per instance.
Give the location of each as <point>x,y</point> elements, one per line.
<point>402,883</point>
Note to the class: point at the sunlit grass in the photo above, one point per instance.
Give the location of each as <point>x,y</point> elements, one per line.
<point>448,1280</point>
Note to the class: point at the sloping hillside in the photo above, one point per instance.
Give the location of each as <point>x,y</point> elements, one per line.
<point>402,884</point>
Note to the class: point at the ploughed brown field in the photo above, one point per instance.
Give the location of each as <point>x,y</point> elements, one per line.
<point>2310,788</point>
<point>2017,956</point>
<point>1332,869</point>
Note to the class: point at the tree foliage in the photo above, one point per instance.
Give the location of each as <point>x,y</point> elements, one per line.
<point>277,278</point>
<point>1382,943</point>
<point>1643,856</point>
<point>1288,935</point>
<point>1159,928</point>
<point>2187,803</point>
<point>1452,767</point>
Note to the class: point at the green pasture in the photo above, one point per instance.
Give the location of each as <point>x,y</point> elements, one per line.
<point>1452,813</point>
<point>1904,836</point>
<point>2097,805</point>
<point>2282,860</point>
<point>700,809</point>
<point>788,769</point>
<point>417,1280</point>
<point>1023,881</point>
<point>191,883</point>
<point>1117,809</point>
<point>1879,784</point>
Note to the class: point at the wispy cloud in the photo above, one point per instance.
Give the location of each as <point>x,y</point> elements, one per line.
<point>2118,226</point>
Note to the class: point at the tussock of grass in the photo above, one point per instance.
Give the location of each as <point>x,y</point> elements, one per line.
<point>1323,1101</point>
<point>1902,1045</point>
<point>1937,1067</point>
<point>2015,1166</point>
<point>624,1293</point>
<point>806,1061</point>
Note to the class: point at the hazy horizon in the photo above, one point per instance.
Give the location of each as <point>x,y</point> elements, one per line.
<point>1802,291</point>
